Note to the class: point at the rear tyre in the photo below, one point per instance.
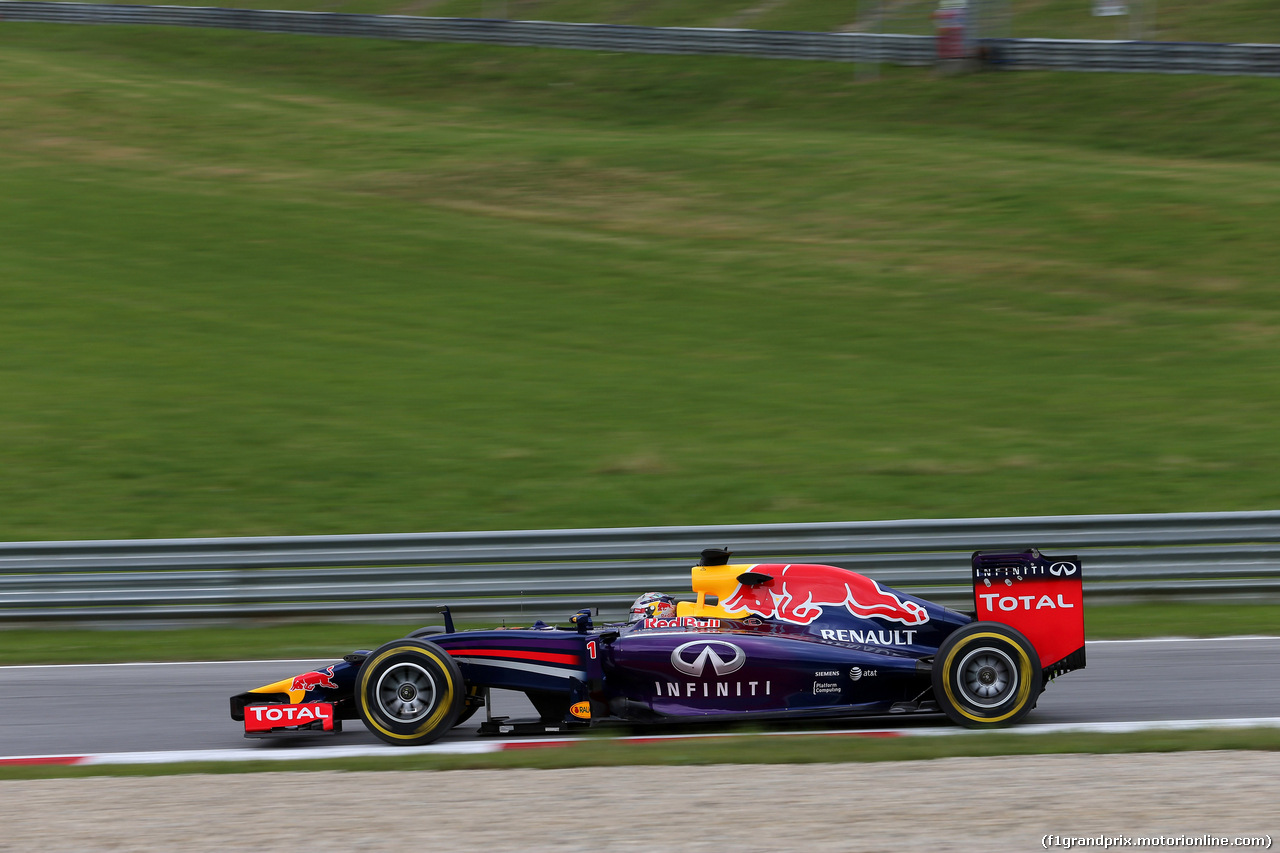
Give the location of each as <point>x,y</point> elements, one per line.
<point>409,692</point>
<point>986,675</point>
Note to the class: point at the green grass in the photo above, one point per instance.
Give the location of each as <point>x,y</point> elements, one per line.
<point>1180,619</point>
<point>256,284</point>
<point>795,749</point>
<point>1220,21</point>
<point>256,641</point>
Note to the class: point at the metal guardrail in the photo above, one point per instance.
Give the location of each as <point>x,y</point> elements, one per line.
<point>848,47</point>
<point>1151,57</point>
<point>545,573</point>
<point>894,49</point>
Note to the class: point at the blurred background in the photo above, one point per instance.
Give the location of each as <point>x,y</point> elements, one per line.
<point>257,284</point>
<point>1168,20</point>
<point>271,285</point>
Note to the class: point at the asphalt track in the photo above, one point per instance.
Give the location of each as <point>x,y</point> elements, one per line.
<point>108,708</point>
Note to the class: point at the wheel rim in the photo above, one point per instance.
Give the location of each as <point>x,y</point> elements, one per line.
<point>406,692</point>
<point>987,677</point>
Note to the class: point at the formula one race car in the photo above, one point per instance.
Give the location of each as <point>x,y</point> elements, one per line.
<point>764,641</point>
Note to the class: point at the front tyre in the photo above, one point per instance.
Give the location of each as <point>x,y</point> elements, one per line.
<point>986,675</point>
<point>409,692</point>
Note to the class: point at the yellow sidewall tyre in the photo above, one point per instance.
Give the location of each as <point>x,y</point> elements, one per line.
<point>409,692</point>
<point>986,675</point>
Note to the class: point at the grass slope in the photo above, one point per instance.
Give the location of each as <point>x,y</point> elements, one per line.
<point>256,284</point>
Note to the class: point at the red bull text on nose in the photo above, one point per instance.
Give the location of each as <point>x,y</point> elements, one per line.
<point>798,593</point>
<point>313,680</point>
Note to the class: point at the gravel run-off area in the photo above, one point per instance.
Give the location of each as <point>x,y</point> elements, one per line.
<point>961,804</point>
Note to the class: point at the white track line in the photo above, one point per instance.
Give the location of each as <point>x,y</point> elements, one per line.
<point>487,746</point>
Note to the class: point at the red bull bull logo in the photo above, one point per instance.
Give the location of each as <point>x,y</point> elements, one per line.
<point>798,594</point>
<point>314,680</point>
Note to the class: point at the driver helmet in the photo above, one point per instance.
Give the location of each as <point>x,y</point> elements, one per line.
<point>653,605</point>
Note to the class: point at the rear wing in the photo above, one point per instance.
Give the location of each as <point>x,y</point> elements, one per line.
<point>1041,597</point>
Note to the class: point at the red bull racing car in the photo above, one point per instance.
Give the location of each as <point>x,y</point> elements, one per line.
<point>761,641</point>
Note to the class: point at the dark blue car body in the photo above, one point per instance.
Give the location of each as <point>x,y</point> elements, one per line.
<point>804,642</point>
